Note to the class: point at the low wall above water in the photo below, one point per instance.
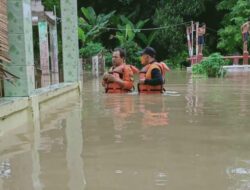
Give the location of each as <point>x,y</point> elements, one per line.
<point>231,69</point>
<point>19,111</point>
<point>237,68</point>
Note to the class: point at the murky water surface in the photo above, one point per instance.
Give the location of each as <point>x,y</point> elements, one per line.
<point>194,137</point>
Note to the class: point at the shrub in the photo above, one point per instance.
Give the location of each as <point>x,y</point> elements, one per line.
<point>108,59</point>
<point>91,49</point>
<point>198,69</point>
<point>132,53</point>
<point>177,61</point>
<point>211,66</point>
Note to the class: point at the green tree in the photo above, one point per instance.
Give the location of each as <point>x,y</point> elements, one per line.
<point>230,37</point>
<point>127,31</point>
<point>127,34</point>
<point>50,4</point>
<point>171,16</point>
<point>134,9</point>
<point>91,25</point>
<point>90,49</point>
<point>160,13</point>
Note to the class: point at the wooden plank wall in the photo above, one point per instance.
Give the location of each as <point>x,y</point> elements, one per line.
<point>4,47</point>
<point>1,85</point>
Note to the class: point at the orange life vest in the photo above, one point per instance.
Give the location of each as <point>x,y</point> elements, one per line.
<point>145,73</point>
<point>124,72</point>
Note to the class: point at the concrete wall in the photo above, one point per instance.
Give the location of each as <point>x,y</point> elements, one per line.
<point>71,70</point>
<point>21,148</point>
<point>16,112</point>
<point>20,49</point>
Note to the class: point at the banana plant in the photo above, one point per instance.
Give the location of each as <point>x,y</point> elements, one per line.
<point>91,25</point>
<point>147,40</point>
<point>126,35</point>
<point>127,30</point>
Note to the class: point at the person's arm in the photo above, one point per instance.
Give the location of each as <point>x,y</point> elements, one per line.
<point>156,78</point>
<point>104,79</point>
<point>111,78</point>
<point>126,83</point>
<point>204,31</point>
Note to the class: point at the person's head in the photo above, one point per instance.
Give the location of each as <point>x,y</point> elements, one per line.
<point>202,24</point>
<point>147,55</point>
<point>118,56</point>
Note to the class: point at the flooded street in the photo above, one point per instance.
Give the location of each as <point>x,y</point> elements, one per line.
<point>194,137</point>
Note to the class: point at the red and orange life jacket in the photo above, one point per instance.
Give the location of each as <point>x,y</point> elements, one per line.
<point>145,73</point>
<point>124,72</point>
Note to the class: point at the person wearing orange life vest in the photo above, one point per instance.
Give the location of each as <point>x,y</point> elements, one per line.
<point>119,79</point>
<point>152,75</point>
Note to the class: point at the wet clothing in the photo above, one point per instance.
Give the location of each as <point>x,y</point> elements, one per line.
<point>201,40</point>
<point>125,73</point>
<point>245,36</point>
<point>156,78</point>
<point>153,75</point>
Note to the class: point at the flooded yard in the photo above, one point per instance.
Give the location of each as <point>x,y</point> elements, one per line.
<point>194,137</point>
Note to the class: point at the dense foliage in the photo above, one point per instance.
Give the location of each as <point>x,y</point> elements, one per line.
<point>238,11</point>
<point>91,49</point>
<point>212,66</point>
<point>135,24</point>
<point>91,25</point>
<point>174,15</point>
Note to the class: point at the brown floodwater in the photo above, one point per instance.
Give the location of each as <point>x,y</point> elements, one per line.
<point>194,137</point>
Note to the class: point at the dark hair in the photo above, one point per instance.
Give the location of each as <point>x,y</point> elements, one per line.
<point>149,51</point>
<point>248,18</point>
<point>202,24</point>
<point>121,51</point>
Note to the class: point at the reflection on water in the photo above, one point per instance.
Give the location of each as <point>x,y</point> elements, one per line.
<point>184,140</point>
<point>46,155</point>
<point>195,136</point>
<point>154,111</point>
<point>239,174</point>
<point>5,169</point>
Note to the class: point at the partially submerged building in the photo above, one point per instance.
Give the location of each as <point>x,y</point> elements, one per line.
<point>21,97</point>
